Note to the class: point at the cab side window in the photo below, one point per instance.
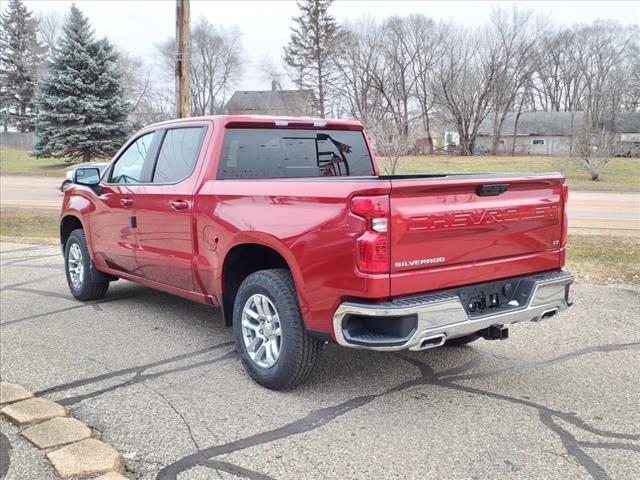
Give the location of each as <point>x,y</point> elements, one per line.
<point>128,167</point>
<point>178,154</point>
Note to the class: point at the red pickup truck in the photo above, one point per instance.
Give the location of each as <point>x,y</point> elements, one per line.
<point>289,227</point>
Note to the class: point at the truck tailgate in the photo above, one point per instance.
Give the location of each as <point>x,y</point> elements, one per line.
<point>464,229</point>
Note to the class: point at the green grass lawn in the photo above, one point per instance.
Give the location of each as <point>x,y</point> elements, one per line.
<point>619,175</point>
<point>22,222</point>
<point>603,259</point>
<point>595,259</point>
<point>19,162</point>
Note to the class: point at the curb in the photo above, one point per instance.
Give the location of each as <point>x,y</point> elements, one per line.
<point>70,445</point>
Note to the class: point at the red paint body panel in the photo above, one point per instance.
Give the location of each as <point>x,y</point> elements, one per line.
<point>113,241</point>
<point>310,224</point>
<point>443,234</point>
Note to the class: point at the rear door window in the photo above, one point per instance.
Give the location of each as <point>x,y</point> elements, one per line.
<point>178,154</point>
<point>286,153</point>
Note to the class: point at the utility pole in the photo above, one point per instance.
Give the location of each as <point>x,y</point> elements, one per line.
<point>183,60</point>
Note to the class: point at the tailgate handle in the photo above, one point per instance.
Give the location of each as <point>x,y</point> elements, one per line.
<point>491,190</point>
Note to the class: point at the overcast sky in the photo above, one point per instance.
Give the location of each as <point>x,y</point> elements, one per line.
<point>136,26</point>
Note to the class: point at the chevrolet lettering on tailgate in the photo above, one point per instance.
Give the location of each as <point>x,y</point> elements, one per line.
<point>467,218</point>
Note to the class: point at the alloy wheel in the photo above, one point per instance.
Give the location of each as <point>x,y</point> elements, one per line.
<point>75,266</point>
<point>261,330</point>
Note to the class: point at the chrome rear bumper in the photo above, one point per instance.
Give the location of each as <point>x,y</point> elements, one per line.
<point>431,319</point>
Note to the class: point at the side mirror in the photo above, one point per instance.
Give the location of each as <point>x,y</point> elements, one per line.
<point>88,176</point>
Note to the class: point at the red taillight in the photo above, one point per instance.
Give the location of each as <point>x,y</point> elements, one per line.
<point>565,218</point>
<point>372,247</point>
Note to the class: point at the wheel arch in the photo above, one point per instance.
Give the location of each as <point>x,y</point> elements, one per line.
<point>68,224</point>
<point>248,257</point>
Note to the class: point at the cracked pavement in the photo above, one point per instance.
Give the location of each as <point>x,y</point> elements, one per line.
<point>158,377</point>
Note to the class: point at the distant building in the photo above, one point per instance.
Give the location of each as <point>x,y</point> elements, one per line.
<point>297,103</point>
<point>553,133</point>
<point>538,133</point>
<point>422,145</point>
<point>627,125</point>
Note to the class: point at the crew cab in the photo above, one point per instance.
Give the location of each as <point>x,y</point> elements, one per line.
<point>289,227</point>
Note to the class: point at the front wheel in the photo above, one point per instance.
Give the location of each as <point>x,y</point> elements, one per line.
<point>77,265</point>
<point>269,332</point>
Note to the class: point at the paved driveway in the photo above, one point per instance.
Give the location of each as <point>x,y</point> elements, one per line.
<point>158,377</point>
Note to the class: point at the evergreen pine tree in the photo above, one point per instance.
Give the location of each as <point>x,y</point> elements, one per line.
<point>311,46</point>
<point>20,60</point>
<point>82,110</point>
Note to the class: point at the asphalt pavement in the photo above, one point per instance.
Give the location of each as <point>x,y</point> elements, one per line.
<point>597,212</point>
<point>157,376</point>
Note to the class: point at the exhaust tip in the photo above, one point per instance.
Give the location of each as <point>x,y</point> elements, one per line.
<point>548,313</point>
<point>432,342</point>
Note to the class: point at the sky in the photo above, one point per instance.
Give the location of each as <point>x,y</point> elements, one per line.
<point>136,26</point>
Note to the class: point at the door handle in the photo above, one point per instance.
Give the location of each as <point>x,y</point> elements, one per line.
<point>126,202</point>
<point>179,205</point>
<point>492,190</point>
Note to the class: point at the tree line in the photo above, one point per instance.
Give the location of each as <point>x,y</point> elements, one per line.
<point>83,97</point>
<point>399,75</point>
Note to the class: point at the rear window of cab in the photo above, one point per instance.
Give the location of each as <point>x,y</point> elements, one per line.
<point>293,153</point>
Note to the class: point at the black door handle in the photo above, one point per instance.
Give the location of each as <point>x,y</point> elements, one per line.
<point>492,190</point>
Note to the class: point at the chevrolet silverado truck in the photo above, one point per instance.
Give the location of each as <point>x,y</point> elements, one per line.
<point>289,227</point>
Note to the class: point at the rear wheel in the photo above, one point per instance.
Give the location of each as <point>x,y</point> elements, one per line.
<point>460,341</point>
<point>269,332</point>
<point>77,263</point>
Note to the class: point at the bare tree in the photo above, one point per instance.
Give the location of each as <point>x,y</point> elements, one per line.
<point>272,72</point>
<point>157,105</point>
<point>357,58</point>
<point>629,100</point>
<point>49,28</point>
<point>607,49</point>
<point>464,81</point>
<point>594,148</point>
<point>137,79</point>
<point>425,40</point>
<point>558,77</point>
<point>216,65</point>
<point>404,71</point>
<point>394,78</point>
<point>390,143</point>
<point>216,58</point>
<point>514,35</point>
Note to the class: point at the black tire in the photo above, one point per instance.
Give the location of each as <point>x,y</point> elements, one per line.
<point>460,341</point>
<point>87,289</point>
<point>299,352</point>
